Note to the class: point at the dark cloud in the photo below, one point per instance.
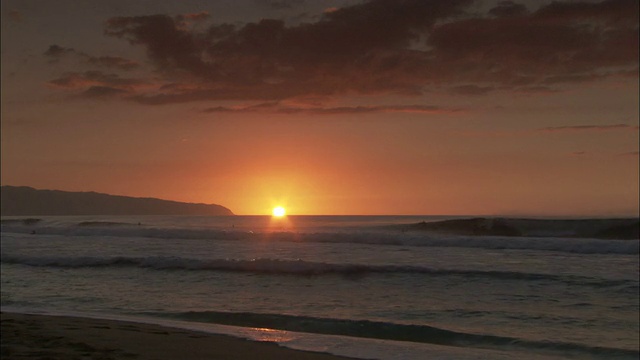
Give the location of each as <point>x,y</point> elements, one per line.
<point>608,11</point>
<point>203,15</point>
<point>280,4</point>
<point>278,108</point>
<point>572,78</point>
<point>363,48</point>
<point>115,62</point>
<point>535,89</point>
<point>387,47</point>
<point>168,42</point>
<point>472,89</point>
<point>55,52</point>
<point>588,128</point>
<point>102,91</point>
<point>99,81</point>
<point>569,41</point>
<point>508,8</point>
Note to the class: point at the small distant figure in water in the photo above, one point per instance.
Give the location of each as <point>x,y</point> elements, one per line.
<point>33,232</point>
<point>139,224</point>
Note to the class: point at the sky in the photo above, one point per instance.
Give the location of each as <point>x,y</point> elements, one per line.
<point>339,107</point>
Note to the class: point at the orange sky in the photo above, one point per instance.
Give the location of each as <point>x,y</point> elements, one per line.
<point>456,107</point>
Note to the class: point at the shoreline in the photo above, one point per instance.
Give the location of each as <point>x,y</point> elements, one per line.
<point>31,336</point>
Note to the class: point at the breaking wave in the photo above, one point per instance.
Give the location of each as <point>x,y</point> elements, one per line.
<point>304,268</point>
<point>568,245</point>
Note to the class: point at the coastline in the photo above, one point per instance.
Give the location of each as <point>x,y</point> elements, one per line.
<point>28,336</point>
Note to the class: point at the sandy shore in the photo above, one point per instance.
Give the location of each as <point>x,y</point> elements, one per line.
<point>57,337</point>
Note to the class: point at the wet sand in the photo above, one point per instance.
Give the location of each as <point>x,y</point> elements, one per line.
<point>45,337</point>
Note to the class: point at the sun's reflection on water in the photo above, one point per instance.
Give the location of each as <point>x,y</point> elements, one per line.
<point>266,334</point>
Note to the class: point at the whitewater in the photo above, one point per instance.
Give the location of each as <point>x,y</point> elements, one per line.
<point>372,287</point>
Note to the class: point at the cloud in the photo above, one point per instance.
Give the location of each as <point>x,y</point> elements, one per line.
<point>168,43</point>
<point>102,91</point>
<point>280,4</point>
<point>347,50</point>
<point>386,47</point>
<point>556,130</point>
<point>630,153</point>
<point>472,89</point>
<point>588,128</point>
<point>113,62</point>
<point>508,8</point>
<point>563,42</point>
<point>97,83</point>
<point>55,52</point>
<point>278,108</point>
<point>203,15</point>
<point>608,11</point>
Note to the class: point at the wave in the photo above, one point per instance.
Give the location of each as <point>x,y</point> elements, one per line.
<point>25,221</point>
<point>393,331</point>
<point>380,237</point>
<point>303,268</point>
<point>622,229</point>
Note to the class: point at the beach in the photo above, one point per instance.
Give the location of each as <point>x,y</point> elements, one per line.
<point>26,336</point>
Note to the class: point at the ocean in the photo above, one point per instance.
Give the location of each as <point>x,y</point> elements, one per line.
<point>371,287</point>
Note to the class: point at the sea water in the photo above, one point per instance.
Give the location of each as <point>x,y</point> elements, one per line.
<point>349,285</point>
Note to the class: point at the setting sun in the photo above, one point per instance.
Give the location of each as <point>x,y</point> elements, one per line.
<point>279,211</point>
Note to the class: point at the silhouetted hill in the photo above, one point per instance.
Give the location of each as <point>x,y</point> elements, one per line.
<point>22,200</point>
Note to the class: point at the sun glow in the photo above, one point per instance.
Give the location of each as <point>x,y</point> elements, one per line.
<point>279,211</point>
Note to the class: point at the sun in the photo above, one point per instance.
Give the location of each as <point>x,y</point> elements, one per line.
<point>279,211</point>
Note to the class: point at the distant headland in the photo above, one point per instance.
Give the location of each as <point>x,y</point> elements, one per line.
<point>23,200</point>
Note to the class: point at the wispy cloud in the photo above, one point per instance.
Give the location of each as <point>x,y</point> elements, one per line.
<point>97,84</point>
<point>472,89</point>
<point>277,108</point>
<point>280,4</point>
<point>113,62</point>
<point>569,129</point>
<point>588,128</point>
<point>56,52</point>
<point>199,16</point>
